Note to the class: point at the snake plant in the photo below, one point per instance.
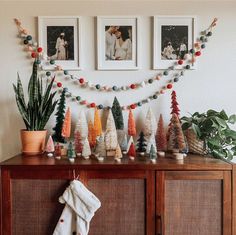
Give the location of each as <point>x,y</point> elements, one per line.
<point>41,103</point>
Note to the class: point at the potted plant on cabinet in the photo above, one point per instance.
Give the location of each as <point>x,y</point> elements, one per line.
<point>36,112</point>
<point>213,130</point>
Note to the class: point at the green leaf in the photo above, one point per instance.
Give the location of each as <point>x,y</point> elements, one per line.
<point>186,125</point>
<point>211,112</point>
<point>221,122</point>
<point>223,115</point>
<point>232,119</point>
<point>197,130</point>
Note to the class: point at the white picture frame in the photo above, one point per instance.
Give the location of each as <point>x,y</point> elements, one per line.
<point>181,30</point>
<point>67,53</point>
<point>124,57</point>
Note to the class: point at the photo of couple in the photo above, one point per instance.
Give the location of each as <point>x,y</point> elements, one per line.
<point>174,42</point>
<point>118,42</point>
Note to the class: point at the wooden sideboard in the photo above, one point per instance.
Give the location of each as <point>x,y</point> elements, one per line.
<point>191,197</point>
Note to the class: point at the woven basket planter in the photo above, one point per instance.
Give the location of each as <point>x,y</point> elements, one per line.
<point>195,145</point>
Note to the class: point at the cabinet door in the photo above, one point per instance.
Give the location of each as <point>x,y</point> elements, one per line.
<point>127,199</point>
<point>193,202</point>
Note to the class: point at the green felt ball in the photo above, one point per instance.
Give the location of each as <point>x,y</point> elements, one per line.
<point>139,104</point>
<point>114,88</point>
<point>154,97</point>
<point>48,73</point>
<point>187,66</point>
<point>165,73</point>
<point>78,98</point>
<point>176,79</point>
<point>192,51</point>
<point>65,89</point>
<point>203,46</point>
<point>209,34</point>
<point>66,72</point>
<point>29,37</point>
<point>202,38</point>
<point>38,61</point>
<point>100,106</point>
<point>150,80</point>
<point>52,61</point>
<point>98,86</point>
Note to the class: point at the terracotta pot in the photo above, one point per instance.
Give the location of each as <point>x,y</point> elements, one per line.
<point>33,142</point>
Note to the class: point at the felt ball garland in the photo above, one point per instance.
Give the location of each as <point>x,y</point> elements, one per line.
<point>36,53</point>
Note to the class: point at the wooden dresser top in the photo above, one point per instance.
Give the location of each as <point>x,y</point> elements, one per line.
<point>191,162</point>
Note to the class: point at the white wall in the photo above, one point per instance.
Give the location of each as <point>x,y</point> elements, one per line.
<point>212,85</point>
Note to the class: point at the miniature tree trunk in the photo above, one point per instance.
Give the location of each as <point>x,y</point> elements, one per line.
<point>78,142</point>
<point>97,123</point>
<point>141,143</point>
<point>117,114</point>
<point>82,125</point>
<point>131,124</point>
<point>60,115</point>
<point>161,141</point>
<point>176,138</point>
<point>66,128</point>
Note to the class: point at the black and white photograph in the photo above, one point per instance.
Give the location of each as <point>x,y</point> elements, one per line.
<point>118,42</point>
<point>60,38</point>
<point>60,42</point>
<point>173,37</point>
<point>174,42</point>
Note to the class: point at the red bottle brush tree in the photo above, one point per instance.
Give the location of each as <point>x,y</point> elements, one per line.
<point>161,141</point>
<point>174,104</point>
<point>131,124</point>
<point>132,152</point>
<point>176,140</point>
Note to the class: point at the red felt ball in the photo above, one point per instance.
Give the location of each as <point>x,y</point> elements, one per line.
<point>180,62</point>
<point>132,86</point>
<point>40,49</point>
<point>59,84</point>
<point>33,54</point>
<point>132,106</point>
<point>198,53</point>
<point>92,105</point>
<point>169,86</point>
<point>83,102</point>
<point>81,80</point>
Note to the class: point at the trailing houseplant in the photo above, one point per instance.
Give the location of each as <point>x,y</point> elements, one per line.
<point>213,128</point>
<point>35,111</point>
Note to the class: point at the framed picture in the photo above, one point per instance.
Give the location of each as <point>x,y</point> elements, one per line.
<point>173,38</point>
<point>117,43</point>
<point>60,38</point>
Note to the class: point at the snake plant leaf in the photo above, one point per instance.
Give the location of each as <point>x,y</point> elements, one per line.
<point>33,85</point>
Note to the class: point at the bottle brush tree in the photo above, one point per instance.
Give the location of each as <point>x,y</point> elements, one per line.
<point>161,141</point>
<point>117,114</point>
<point>141,143</point>
<point>60,115</point>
